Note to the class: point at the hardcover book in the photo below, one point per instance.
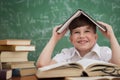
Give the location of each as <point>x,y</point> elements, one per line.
<point>84,67</point>
<point>5,74</point>
<point>24,71</point>
<point>15,42</point>
<point>14,65</point>
<point>6,56</point>
<point>75,15</point>
<point>17,48</point>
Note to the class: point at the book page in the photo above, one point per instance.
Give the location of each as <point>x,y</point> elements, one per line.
<point>53,66</point>
<point>86,62</point>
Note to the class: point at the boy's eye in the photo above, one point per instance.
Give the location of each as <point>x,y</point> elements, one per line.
<point>87,31</point>
<point>76,32</point>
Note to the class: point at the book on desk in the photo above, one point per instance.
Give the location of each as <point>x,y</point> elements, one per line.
<point>14,57</point>
<point>93,78</point>
<point>84,67</point>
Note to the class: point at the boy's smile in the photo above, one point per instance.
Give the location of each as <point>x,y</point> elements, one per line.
<point>83,38</point>
<point>82,42</point>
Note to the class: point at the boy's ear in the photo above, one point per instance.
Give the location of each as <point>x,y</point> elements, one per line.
<point>70,38</point>
<point>96,36</point>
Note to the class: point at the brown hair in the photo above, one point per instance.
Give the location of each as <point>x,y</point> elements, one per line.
<point>81,21</point>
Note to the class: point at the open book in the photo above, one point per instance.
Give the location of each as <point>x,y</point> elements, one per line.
<point>75,15</point>
<point>93,78</point>
<point>84,67</point>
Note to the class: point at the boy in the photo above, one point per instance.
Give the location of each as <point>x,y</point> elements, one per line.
<point>83,36</point>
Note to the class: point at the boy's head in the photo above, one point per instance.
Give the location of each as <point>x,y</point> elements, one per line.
<point>80,22</point>
<point>83,34</point>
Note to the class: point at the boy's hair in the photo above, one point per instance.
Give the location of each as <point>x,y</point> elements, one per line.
<point>81,21</point>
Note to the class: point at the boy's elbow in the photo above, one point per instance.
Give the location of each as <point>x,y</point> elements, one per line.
<point>117,62</point>
<point>40,64</point>
<point>37,65</point>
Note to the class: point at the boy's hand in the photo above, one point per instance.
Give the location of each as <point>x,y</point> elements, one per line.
<point>57,36</point>
<point>109,31</point>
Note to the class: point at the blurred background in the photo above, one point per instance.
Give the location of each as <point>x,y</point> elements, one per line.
<point>35,19</point>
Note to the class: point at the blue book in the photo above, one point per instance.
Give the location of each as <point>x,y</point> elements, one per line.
<point>24,71</point>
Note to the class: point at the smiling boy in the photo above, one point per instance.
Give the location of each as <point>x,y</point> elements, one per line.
<point>83,37</point>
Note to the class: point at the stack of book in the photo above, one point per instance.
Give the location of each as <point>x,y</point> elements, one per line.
<point>14,58</point>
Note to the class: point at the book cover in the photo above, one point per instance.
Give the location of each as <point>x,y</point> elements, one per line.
<point>17,48</point>
<point>15,42</point>
<point>24,71</point>
<point>6,56</point>
<point>5,74</point>
<point>14,65</point>
<point>78,13</point>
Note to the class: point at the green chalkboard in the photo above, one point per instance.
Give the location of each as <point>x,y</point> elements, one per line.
<point>35,19</point>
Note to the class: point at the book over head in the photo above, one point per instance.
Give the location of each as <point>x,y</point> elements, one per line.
<point>75,15</point>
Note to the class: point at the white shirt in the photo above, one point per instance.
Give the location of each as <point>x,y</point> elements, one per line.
<point>72,55</point>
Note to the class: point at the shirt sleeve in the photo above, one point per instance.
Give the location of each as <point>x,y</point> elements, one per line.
<point>106,54</point>
<point>63,56</point>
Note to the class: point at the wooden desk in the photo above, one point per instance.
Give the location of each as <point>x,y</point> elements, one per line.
<point>34,78</point>
<point>67,78</point>
<point>25,78</point>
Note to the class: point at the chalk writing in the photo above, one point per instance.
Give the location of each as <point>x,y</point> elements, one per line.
<point>35,19</point>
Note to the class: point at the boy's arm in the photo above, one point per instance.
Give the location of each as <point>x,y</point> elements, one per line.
<point>113,43</point>
<point>45,56</point>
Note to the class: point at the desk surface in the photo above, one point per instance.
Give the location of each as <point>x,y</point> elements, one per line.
<point>25,78</point>
<point>33,78</point>
<point>67,78</point>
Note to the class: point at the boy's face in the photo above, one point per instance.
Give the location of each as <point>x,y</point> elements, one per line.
<point>83,38</point>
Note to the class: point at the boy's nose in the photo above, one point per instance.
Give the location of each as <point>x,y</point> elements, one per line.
<point>82,35</point>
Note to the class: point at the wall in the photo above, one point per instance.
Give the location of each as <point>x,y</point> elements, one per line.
<point>35,19</point>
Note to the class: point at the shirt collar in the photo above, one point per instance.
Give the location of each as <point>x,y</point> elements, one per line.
<point>76,52</point>
<point>95,49</point>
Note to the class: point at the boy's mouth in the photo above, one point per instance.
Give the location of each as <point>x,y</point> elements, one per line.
<point>82,41</point>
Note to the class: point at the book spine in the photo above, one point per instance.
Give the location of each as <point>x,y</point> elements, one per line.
<point>16,72</point>
<point>3,74</point>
